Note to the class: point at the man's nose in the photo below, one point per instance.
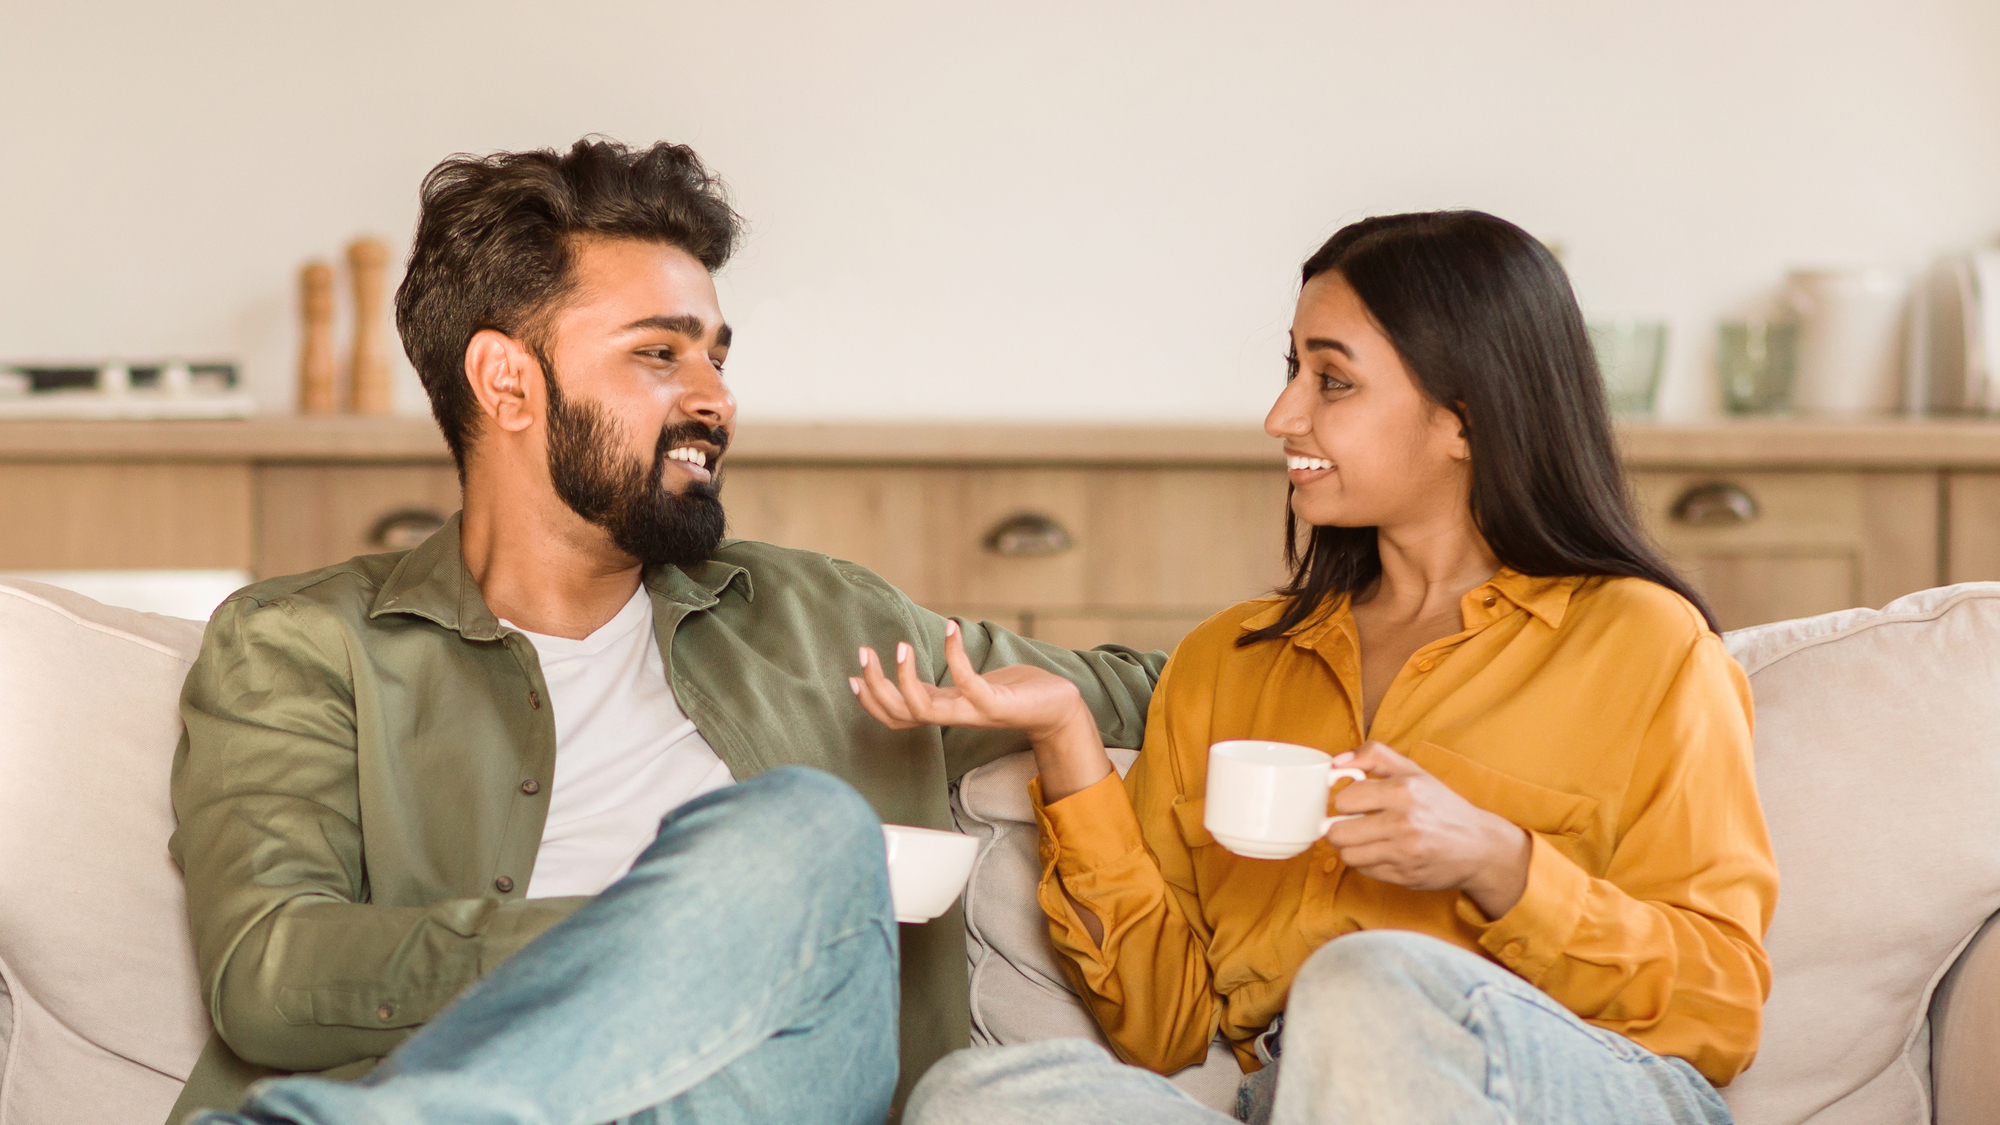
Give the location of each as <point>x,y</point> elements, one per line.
<point>707,397</point>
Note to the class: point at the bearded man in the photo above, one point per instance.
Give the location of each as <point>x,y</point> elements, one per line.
<point>568,815</point>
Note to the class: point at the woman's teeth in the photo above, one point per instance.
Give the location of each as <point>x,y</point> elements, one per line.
<point>1308,463</point>
<point>689,454</point>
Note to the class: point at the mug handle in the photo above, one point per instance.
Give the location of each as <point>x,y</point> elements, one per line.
<point>1331,777</point>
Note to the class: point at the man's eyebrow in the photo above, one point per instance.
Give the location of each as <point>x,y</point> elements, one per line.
<point>1323,344</point>
<point>723,335</point>
<point>683,323</point>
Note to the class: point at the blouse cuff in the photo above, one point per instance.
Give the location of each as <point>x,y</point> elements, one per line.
<point>1089,829</point>
<point>1531,938</point>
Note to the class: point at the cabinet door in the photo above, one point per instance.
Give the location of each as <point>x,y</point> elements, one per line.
<point>1768,546</point>
<point>140,515</point>
<point>309,516</point>
<point>1973,504</point>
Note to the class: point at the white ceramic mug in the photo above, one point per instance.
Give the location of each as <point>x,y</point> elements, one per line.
<point>927,869</point>
<point>1267,800</point>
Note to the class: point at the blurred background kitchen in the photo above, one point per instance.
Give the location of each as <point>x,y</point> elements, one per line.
<point>1018,276</point>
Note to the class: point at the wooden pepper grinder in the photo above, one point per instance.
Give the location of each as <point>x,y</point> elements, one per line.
<point>368,261</point>
<point>317,365</point>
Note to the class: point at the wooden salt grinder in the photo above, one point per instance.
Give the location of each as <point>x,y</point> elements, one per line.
<point>317,365</point>
<point>368,261</point>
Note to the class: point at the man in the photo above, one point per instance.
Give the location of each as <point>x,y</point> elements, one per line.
<point>402,771</point>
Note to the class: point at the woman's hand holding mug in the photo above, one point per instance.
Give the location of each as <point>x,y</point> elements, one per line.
<point>1038,703</point>
<point>1418,833</point>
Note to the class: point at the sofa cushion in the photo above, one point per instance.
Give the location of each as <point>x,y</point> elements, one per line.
<point>104,1018</point>
<point>1878,760</point>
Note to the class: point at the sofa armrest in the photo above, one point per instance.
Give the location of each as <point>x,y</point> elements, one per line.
<point>1965,1034</point>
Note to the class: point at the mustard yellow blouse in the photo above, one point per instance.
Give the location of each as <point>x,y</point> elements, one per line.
<point>1600,714</point>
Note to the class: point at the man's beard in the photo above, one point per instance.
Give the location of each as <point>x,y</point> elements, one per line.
<point>625,496</point>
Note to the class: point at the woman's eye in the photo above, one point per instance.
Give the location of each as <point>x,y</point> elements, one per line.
<point>1331,382</point>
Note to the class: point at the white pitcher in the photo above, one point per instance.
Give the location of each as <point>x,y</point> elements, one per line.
<point>1850,340</point>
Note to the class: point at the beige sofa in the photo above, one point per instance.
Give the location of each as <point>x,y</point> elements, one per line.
<point>1878,757</point>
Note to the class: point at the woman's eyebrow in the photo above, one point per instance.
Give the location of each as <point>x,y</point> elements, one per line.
<point>1323,344</point>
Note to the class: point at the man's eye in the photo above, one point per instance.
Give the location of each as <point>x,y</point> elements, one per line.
<point>660,355</point>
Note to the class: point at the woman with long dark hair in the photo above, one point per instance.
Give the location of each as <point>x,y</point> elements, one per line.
<point>1550,903</point>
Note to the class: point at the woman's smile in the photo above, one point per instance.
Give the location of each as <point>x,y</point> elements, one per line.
<point>1304,468</point>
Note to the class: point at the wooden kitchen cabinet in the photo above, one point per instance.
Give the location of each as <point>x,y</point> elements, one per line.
<point>1795,543</point>
<point>1104,534</point>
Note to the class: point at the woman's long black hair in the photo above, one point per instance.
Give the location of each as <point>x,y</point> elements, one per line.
<point>1483,316</point>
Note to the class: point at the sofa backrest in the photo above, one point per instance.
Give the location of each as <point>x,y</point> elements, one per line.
<point>102,1018</point>
<point>1878,761</point>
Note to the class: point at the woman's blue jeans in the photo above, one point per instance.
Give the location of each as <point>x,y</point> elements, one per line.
<point>1381,1028</point>
<point>745,970</point>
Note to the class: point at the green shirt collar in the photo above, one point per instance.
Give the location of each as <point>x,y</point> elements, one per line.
<point>432,582</point>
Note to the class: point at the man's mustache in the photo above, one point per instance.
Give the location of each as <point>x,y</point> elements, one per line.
<point>682,433</point>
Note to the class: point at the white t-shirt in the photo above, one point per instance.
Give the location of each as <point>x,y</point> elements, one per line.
<point>626,754</point>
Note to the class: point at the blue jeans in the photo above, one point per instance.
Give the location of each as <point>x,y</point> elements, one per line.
<point>1381,1028</point>
<point>745,970</point>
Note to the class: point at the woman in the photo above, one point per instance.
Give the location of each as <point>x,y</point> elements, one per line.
<point>1551,908</point>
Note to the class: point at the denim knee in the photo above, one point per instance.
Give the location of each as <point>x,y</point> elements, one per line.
<point>792,833</point>
<point>970,1085</point>
<point>1365,977</point>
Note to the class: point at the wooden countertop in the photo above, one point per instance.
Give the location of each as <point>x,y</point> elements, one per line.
<point>1741,444</point>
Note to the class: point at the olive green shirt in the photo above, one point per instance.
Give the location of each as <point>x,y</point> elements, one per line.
<point>369,755</point>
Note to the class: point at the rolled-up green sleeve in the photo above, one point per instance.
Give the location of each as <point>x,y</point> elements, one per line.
<point>299,970</point>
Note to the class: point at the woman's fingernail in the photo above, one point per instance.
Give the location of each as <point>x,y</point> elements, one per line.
<point>902,652</point>
<point>950,628</point>
<point>864,658</point>
<point>854,684</point>
<point>1343,759</point>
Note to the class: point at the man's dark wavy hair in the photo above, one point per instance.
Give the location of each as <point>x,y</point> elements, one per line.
<point>494,240</point>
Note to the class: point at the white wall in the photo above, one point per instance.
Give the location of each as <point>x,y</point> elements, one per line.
<point>1030,210</point>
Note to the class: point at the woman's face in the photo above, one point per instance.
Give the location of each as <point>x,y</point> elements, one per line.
<point>1365,447</point>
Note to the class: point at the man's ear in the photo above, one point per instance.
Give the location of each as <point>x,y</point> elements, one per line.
<point>506,380</point>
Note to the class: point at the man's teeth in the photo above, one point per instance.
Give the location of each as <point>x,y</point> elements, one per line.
<point>689,454</point>
<point>1308,463</point>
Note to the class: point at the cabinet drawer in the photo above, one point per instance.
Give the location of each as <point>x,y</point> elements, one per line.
<point>927,531</point>
<point>309,516</point>
<point>144,515</point>
<point>1766,546</point>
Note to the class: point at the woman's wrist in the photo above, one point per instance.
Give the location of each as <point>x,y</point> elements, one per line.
<point>1503,879</point>
<point>1070,755</point>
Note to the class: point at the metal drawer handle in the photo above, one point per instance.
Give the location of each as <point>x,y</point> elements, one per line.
<point>1716,504</point>
<point>1029,535</point>
<point>404,529</point>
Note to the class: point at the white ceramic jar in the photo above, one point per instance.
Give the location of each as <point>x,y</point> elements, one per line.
<point>1850,340</point>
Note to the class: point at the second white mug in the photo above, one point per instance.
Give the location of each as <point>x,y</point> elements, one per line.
<point>1267,800</point>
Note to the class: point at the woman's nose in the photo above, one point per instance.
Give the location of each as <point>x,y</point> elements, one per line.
<point>1289,416</point>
